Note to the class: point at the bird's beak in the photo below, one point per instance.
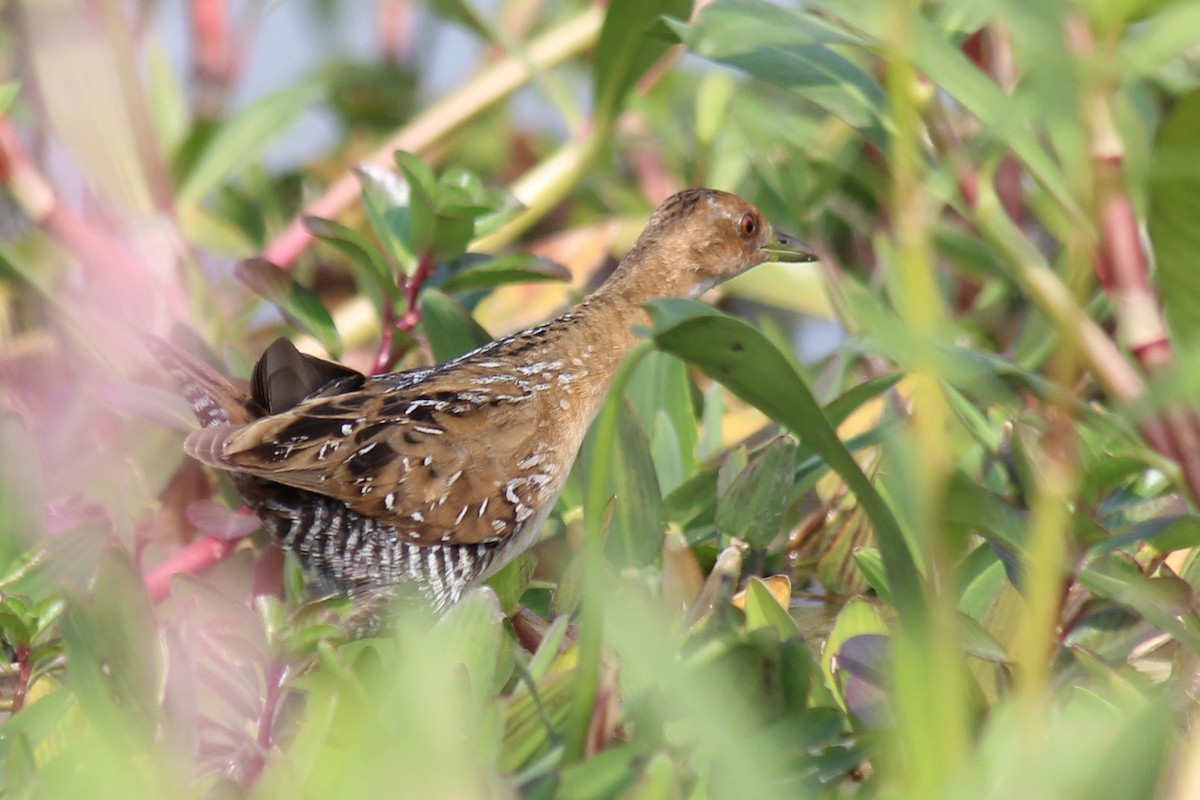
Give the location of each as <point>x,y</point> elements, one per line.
<point>789,249</point>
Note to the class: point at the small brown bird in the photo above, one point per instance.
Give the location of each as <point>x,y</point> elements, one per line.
<point>433,479</point>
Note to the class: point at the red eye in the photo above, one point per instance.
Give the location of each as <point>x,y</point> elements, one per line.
<point>748,225</point>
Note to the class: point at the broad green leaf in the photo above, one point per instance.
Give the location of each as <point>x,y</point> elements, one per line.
<point>605,775</point>
<point>22,496</point>
<point>1174,208</point>
<point>753,506</point>
<point>626,49</point>
<point>635,534</point>
<point>858,618</point>
<point>39,720</point>
<point>303,308</point>
<point>112,649</point>
<point>485,272</point>
<point>372,272</point>
<point>243,139</point>
<point>764,611</point>
<point>422,204</point>
<point>737,355</point>
<point>472,630</point>
<point>796,673</point>
<point>387,198</point>
<point>451,330</point>
<point>512,580</point>
<point>661,392</point>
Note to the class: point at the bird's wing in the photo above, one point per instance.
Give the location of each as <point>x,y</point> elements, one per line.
<point>427,456</point>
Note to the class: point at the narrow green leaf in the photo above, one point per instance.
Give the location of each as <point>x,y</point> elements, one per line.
<point>737,355</point>
<point>753,506</point>
<point>243,139</point>
<point>451,330</point>
<point>870,563</point>
<point>626,49</point>
<point>485,272</point>
<point>22,497</point>
<point>1174,191</point>
<point>302,308</point>
<point>1165,603</point>
<point>790,48</point>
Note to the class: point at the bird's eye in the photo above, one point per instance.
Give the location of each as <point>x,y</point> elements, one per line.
<point>747,225</point>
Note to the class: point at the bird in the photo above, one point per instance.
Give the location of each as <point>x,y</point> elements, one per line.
<point>428,481</point>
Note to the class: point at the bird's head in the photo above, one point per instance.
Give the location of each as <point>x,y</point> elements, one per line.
<point>699,238</point>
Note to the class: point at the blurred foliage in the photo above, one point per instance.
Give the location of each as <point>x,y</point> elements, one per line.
<point>947,556</point>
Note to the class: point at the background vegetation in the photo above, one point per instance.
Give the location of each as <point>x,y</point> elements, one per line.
<point>951,555</point>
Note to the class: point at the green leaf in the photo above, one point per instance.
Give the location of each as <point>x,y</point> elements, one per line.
<point>790,48</point>
<point>422,203</point>
<point>373,275</point>
<point>1174,193</point>
<point>753,506</point>
<point>1164,602</point>
<point>639,521</point>
<point>858,618</point>
<point>796,673</point>
<point>661,392</point>
<point>764,611</point>
<point>243,139</point>
<point>604,775</point>
<point>112,649</point>
<point>22,497</point>
<point>734,353</point>
<point>302,308</point>
<point>387,199</point>
<point>487,272</point>
<point>870,564</point>
<point>472,630</point>
<point>626,49</point>
<point>39,720</point>
<point>512,579</point>
<point>8,93</point>
<point>451,330</point>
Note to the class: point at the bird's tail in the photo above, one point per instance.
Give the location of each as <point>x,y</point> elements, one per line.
<point>215,400</point>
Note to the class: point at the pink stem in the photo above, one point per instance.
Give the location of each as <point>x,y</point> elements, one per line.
<point>199,555</point>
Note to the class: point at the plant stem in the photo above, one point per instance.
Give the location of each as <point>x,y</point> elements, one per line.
<point>456,108</point>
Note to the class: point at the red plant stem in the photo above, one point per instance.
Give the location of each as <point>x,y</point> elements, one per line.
<point>412,288</point>
<point>395,26</point>
<point>214,57</point>
<point>275,679</point>
<point>24,672</point>
<point>383,357</point>
<point>199,555</point>
<point>1121,263</point>
<point>93,246</point>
